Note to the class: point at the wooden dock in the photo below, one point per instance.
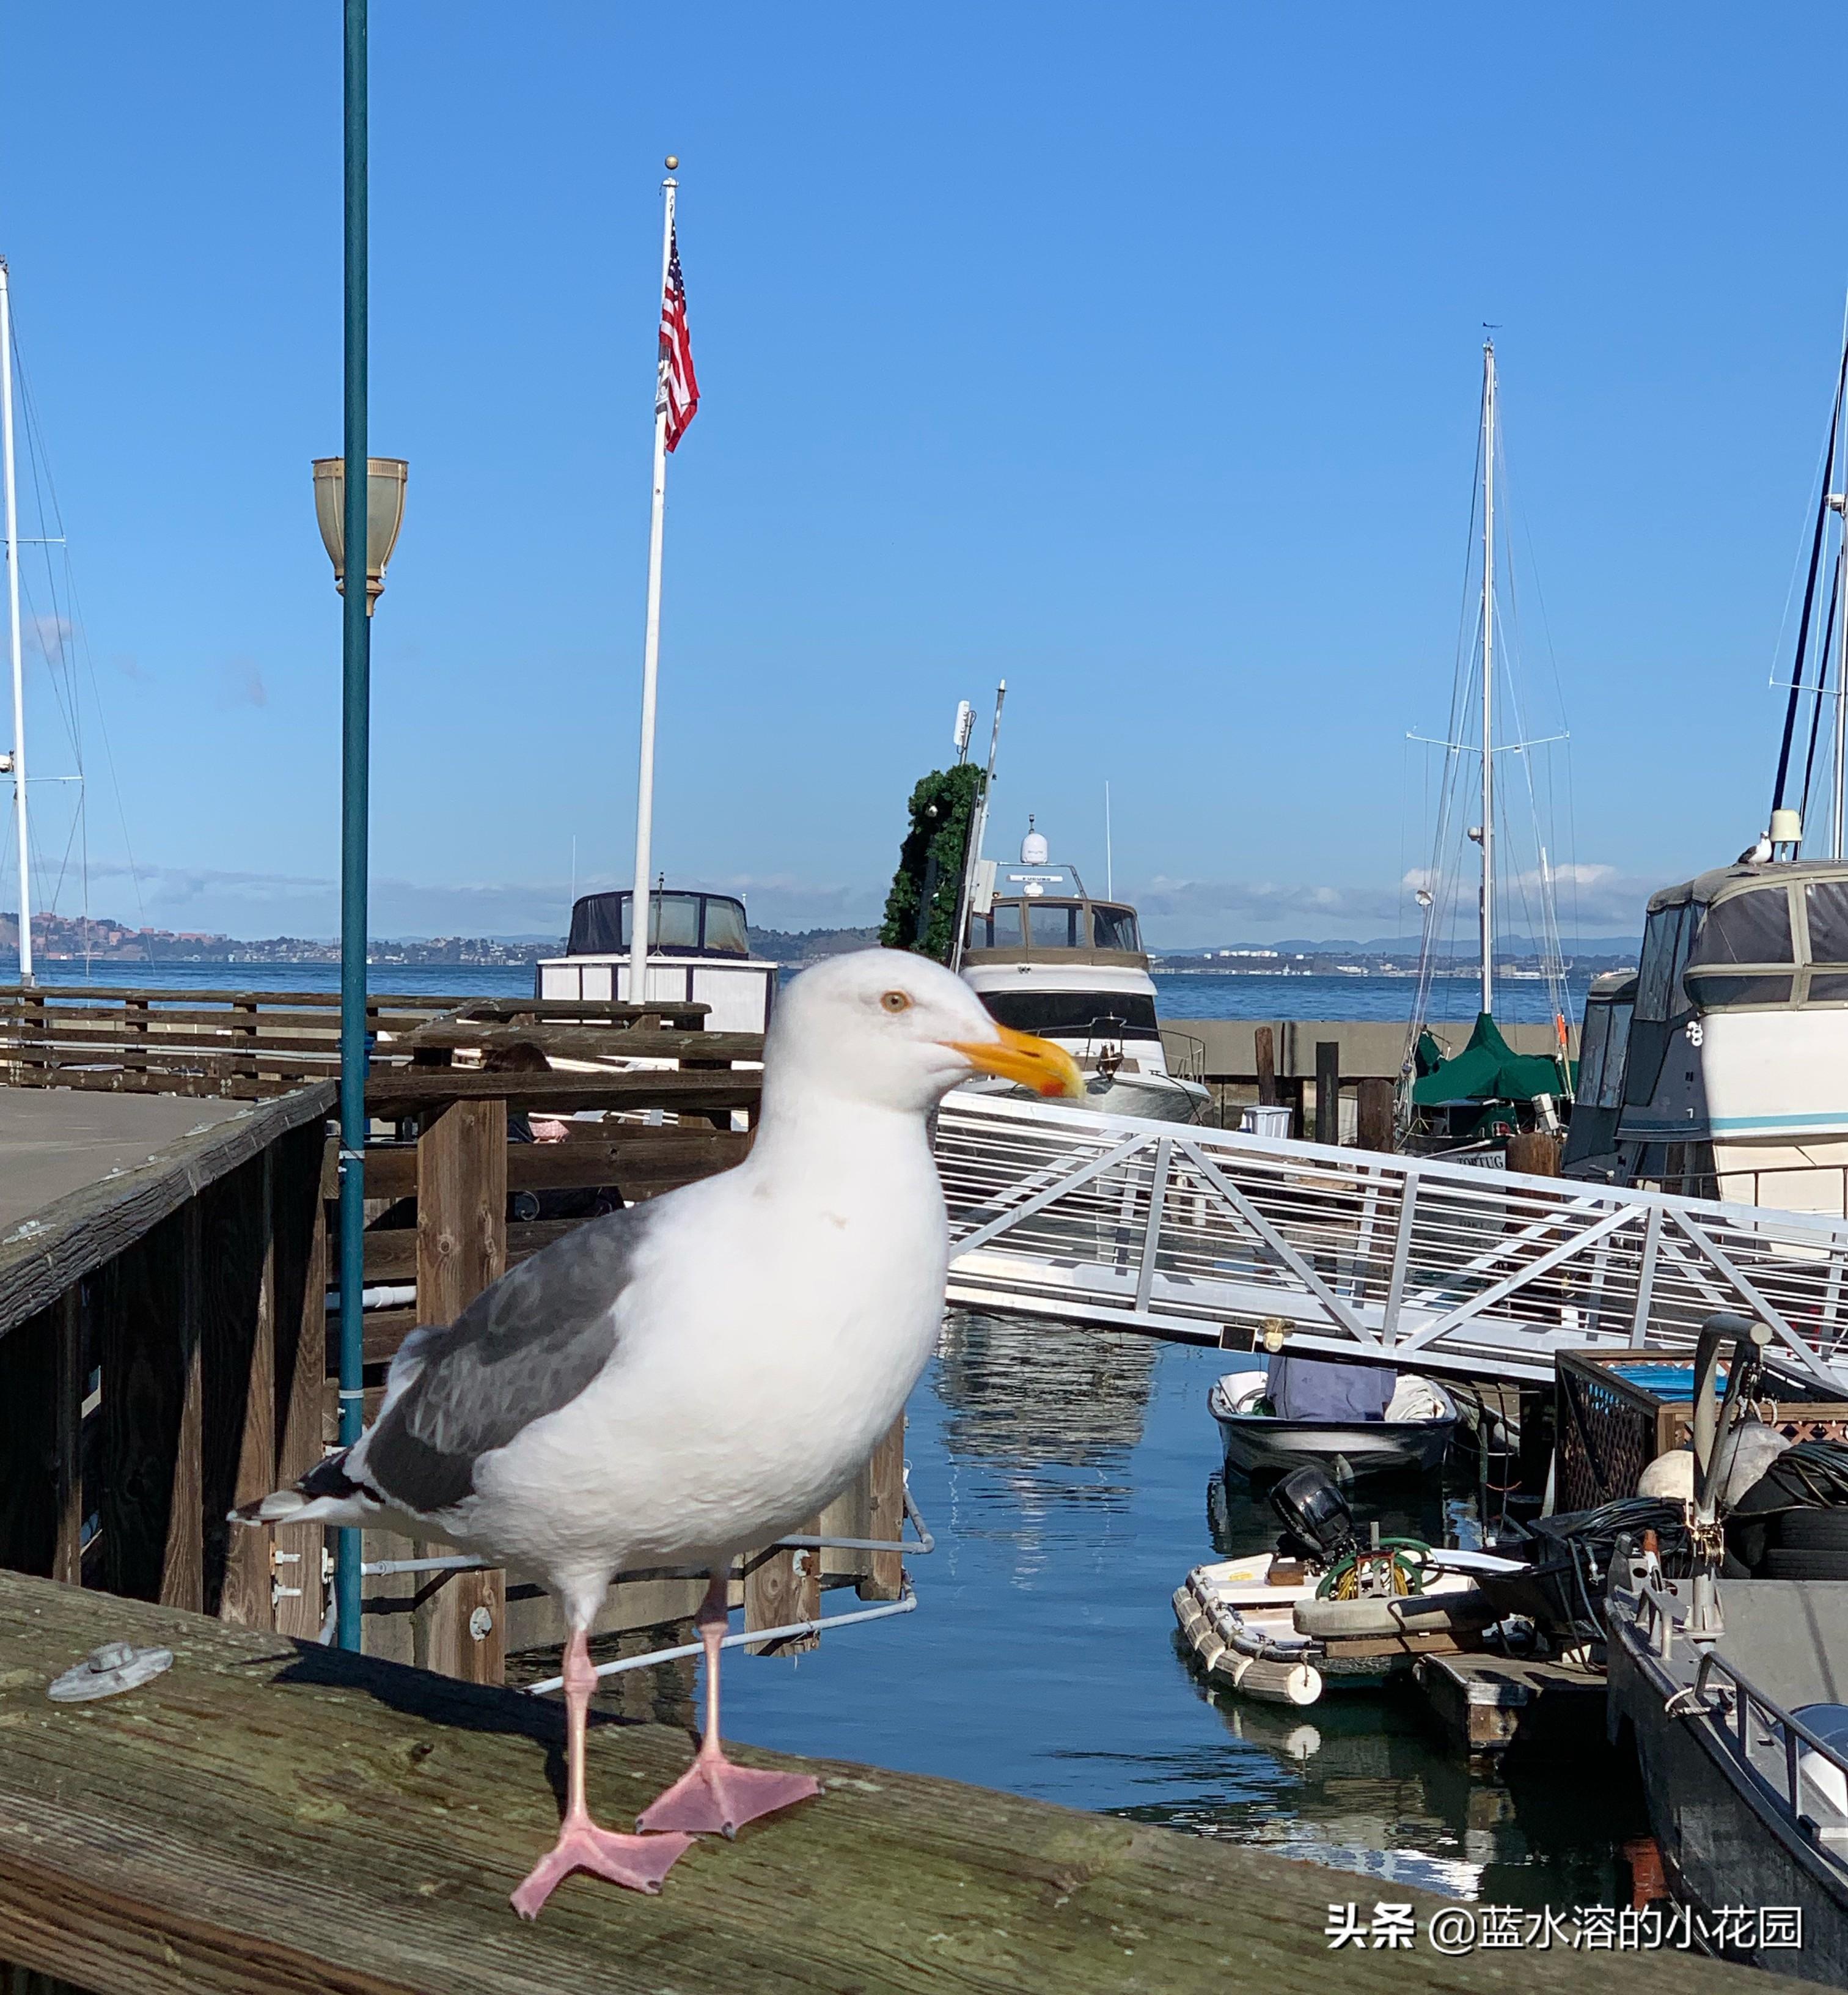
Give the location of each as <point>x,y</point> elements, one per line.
<point>272,1819</point>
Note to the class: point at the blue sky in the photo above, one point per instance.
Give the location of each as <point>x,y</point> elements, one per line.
<point>1132,354</point>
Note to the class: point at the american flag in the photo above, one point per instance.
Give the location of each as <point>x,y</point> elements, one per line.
<point>677,395</point>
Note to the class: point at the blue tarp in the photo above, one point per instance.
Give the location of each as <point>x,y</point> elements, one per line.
<point>1307,1388</point>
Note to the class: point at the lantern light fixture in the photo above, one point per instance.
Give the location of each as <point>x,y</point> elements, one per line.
<point>384,515</point>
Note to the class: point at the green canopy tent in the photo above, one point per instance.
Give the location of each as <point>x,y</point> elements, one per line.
<point>1487,1070</point>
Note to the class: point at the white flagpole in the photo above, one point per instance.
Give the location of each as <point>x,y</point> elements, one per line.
<point>651,653</point>
<point>18,759</point>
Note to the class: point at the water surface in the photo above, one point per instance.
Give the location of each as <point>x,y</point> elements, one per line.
<point>1067,1477</point>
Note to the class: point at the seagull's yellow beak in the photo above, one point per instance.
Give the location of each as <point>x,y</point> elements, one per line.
<point>1036,1063</point>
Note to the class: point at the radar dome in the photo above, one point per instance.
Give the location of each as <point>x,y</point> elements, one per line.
<point>1035,850</point>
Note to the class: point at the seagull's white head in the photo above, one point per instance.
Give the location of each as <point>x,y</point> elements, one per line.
<point>897,1031</point>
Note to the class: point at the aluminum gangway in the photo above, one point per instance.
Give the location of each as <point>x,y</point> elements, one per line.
<point>1214,1237</point>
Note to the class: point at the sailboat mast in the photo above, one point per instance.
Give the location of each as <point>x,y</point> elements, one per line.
<point>17,760</point>
<point>1488,825</point>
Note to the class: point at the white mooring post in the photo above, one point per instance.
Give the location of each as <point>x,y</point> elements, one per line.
<point>651,650</point>
<point>12,600</point>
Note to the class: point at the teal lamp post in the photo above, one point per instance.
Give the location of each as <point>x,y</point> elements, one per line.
<point>359,502</point>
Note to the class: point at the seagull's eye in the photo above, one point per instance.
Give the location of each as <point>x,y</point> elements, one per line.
<point>896,1000</point>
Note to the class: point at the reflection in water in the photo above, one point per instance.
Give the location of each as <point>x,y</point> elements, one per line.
<point>1026,1397</point>
<point>1062,1471</point>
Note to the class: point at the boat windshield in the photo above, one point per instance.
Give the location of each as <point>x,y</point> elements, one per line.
<point>1780,943</point>
<point>1053,925</point>
<point>679,924</point>
<point>1056,925</point>
<point>1097,1014</point>
<point>1603,1044</point>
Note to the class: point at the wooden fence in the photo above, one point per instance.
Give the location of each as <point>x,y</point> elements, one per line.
<point>249,1045</point>
<point>162,1356</point>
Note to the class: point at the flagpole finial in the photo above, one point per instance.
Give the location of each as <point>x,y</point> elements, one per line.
<point>672,162</point>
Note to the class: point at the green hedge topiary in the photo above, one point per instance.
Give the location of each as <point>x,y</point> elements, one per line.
<point>921,908</point>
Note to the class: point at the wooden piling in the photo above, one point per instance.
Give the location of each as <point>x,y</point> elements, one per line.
<point>460,1619</point>
<point>1327,1091</point>
<point>1264,1047</point>
<point>1373,1128</point>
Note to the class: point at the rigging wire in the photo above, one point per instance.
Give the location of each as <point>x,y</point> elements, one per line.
<point>67,625</point>
<point>1798,686</point>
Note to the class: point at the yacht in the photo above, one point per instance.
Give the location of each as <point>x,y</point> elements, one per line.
<point>699,953</point>
<point>1720,1067</point>
<point>1046,958</point>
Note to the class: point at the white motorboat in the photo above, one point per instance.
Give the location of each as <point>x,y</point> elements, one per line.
<point>1261,1626</point>
<point>1411,1437</point>
<point>1329,1608</point>
<point>1046,958</point>
<point>699,953</point>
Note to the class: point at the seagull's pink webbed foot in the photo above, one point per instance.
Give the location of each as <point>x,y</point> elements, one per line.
<point>714,1797</point>
<point>639,1862</point>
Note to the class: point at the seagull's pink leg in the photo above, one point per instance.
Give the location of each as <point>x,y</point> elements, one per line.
<point>713,1794</point>
<point>639,1862</point>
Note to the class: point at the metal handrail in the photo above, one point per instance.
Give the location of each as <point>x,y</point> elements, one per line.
<point>1745,1698</point>
<point>1194,1233</point>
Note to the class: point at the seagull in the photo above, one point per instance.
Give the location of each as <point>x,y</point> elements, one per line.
<point>1756,855</point>
<point>687,1379</point>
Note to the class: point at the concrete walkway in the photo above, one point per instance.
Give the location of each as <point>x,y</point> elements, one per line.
<point>54,1141</point>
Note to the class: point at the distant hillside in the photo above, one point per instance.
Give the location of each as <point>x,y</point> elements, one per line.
<point>810,944</point>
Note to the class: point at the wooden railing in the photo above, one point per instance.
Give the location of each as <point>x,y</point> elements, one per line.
<point>161,1358</point>
<point>249,1045</point>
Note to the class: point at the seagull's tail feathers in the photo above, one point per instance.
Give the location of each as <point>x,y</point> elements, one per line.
<point>326,1494</point>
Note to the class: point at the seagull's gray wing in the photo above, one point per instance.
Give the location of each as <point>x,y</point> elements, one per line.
<point>522,1349</point>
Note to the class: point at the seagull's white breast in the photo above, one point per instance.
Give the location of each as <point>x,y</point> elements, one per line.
<point>769,1338</point>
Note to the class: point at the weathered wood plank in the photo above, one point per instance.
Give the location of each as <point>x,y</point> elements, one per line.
<point>404,1089</point>
<point>239,1365</point>
<point>150,1503</point>
<point>780,1587</point>
<point>72,1374</point>
<point>29,1515</point>
<point>637,1155</point>
<point>578,1041</point>
<point>75,1235</point>
<point>299,1223</point>
<point>181,1323</point>
<point>267,1820</point>
<point>885,1515</point>
<point>461,1250</point>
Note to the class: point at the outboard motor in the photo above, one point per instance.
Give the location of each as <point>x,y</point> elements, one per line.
<point>1314,1512</point>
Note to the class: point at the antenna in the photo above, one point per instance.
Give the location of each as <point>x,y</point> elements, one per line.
<point>1109,856</point>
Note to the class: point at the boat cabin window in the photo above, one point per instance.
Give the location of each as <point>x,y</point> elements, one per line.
<point>1000,929</point>
<point>1667,935</point>
<point>1749,931</point>
<point>1603,1047</point>
<point>1066,1014</point>
<point>1825,909</point>
<point>1056,925</point>
<point>1115,929</point>
<point>679,924</point>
